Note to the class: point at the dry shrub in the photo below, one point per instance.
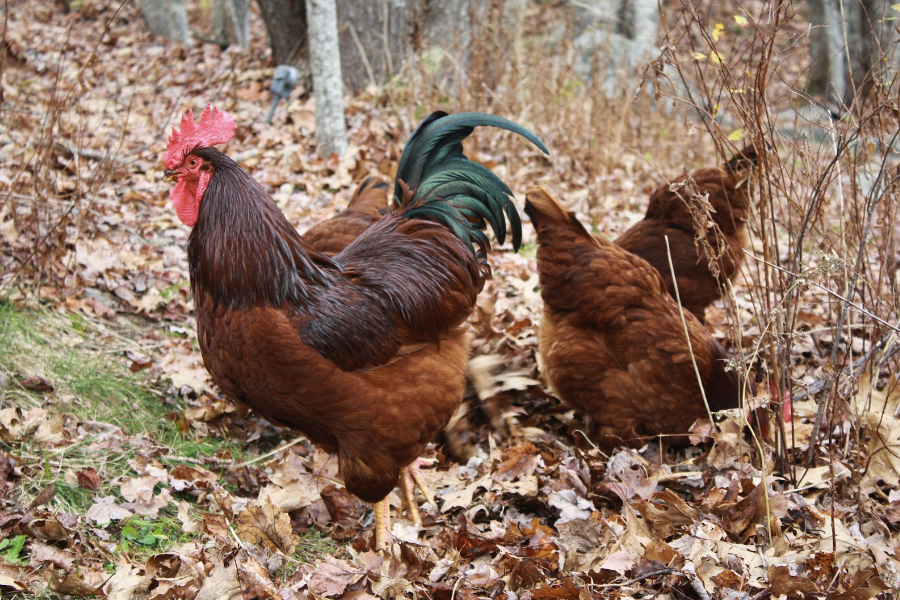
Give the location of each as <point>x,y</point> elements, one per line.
<point>823,263</point>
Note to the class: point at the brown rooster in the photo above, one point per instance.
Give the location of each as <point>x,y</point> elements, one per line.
<point>668,214</point>
<point>364,352</point>
<point>612,342</point>
<point>366,207</point>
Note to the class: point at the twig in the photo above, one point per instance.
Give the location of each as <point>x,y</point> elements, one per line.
<point>857,364</point>
<point>267,455</point>
<point>686,335</point>
<point>826,290</point>
<point>362,54</point>
<point>666,571</point>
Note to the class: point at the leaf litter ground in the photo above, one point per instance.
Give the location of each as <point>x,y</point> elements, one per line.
<point>123,473</point>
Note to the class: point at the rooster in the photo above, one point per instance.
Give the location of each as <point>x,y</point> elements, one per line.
<point>612,343</point>
<point>364,352</point>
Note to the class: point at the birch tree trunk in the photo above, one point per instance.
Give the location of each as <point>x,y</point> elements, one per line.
<point>230,24</point>
<point>827,71</point>
<point>851,43</point>
<point>325,64</point>
<point>166,18</point>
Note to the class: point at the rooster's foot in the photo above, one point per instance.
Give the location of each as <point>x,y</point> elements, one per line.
<point>412,476</point>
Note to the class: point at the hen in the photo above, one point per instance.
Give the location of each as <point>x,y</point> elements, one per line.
<point>365,352</point>
<point>612,343</point>
<point>668,214</point>
<point>367,205</point>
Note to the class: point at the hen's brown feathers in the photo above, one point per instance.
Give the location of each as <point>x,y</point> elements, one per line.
<point>673,211</point>
<point>367,206</point>
<point>611,341</point>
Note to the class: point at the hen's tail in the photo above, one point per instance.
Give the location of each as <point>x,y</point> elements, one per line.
<point>548,215</point>
<point>436,182</point>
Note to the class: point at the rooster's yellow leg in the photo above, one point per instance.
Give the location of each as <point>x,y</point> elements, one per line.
<point>382,510</point>
<point>409,496</point>
<point>417,476</point>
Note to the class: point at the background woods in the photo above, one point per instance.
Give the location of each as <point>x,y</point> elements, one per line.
<point>125,473</point>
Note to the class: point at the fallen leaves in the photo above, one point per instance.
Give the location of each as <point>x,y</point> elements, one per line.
<point>533,512</point>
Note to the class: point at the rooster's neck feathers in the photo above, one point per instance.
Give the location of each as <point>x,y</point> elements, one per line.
<point>242,251</point>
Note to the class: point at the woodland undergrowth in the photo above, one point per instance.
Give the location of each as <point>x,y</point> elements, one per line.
<point>124,473</point>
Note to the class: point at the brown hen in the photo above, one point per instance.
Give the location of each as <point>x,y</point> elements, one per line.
<point>612,343</point>
<point>367,206</point>
<point>673,211</point>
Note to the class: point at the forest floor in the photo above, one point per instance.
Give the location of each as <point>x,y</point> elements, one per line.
<point>124,473</point>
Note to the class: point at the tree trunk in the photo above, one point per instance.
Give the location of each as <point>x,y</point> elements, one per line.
<point>166,18</point>
<point>638,20</point>
<point>230,24</point>
<point>375,38</point>
<point>870,39</point>
<point>288,34</point>
<point>325,64</point>
<point>858,35</point>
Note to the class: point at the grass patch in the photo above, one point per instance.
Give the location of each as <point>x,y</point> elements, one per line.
<point>93,390</point>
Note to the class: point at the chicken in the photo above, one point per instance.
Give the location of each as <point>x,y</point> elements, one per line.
<point>365,352</point>
<point>367,205</point>
<point>668,214</point>
<point>611,342</point>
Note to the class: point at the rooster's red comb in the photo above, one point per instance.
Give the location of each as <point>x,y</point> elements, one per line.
<point>215,127</point>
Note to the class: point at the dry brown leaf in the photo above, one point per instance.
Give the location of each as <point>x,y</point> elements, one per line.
<point>878,410</point>
<point>255,581</point>
<point>15,424</point>
<point>128,581</point>
<point>570,506</point>
<point>183,478</point>
<point>42,553</point>
<point>188,523</point>
<point>88,478</point>
<point>141,499</point>
<point>263,524</point>
<point>174,575</point>
<point>83,582</point>
<point>221,582</point>
<point>333,576</point>
<point>105,510</point>
<point>668,511</point>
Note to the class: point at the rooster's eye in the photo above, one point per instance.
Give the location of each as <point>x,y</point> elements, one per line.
<point>192,162</point>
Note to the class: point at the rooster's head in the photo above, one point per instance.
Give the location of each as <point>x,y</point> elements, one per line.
<point>190,172</point>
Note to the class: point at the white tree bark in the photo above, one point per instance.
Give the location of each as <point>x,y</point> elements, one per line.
<point>167,18</point>
<point>325,64</point>
<point>851,44</point>
<point>827,71</point>
<point>230,23</point>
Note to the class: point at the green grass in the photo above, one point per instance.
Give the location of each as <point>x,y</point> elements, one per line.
<point>91,383</point>
<point>83,360</point>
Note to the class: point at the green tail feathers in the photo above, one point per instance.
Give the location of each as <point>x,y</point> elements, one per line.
<point>451,189</point>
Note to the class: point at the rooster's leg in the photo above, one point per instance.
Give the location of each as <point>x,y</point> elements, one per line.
<point>409,496</point>
<point>412,477</point>
<point>382,510</point>
<point>417,476</point>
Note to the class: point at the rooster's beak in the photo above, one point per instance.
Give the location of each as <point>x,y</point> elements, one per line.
<point>170,175</point>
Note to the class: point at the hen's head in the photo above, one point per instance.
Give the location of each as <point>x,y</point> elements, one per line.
<point>190,172</point>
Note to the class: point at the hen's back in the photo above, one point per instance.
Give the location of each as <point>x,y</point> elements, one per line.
<point>674,212</point>
<point>366,207</point>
